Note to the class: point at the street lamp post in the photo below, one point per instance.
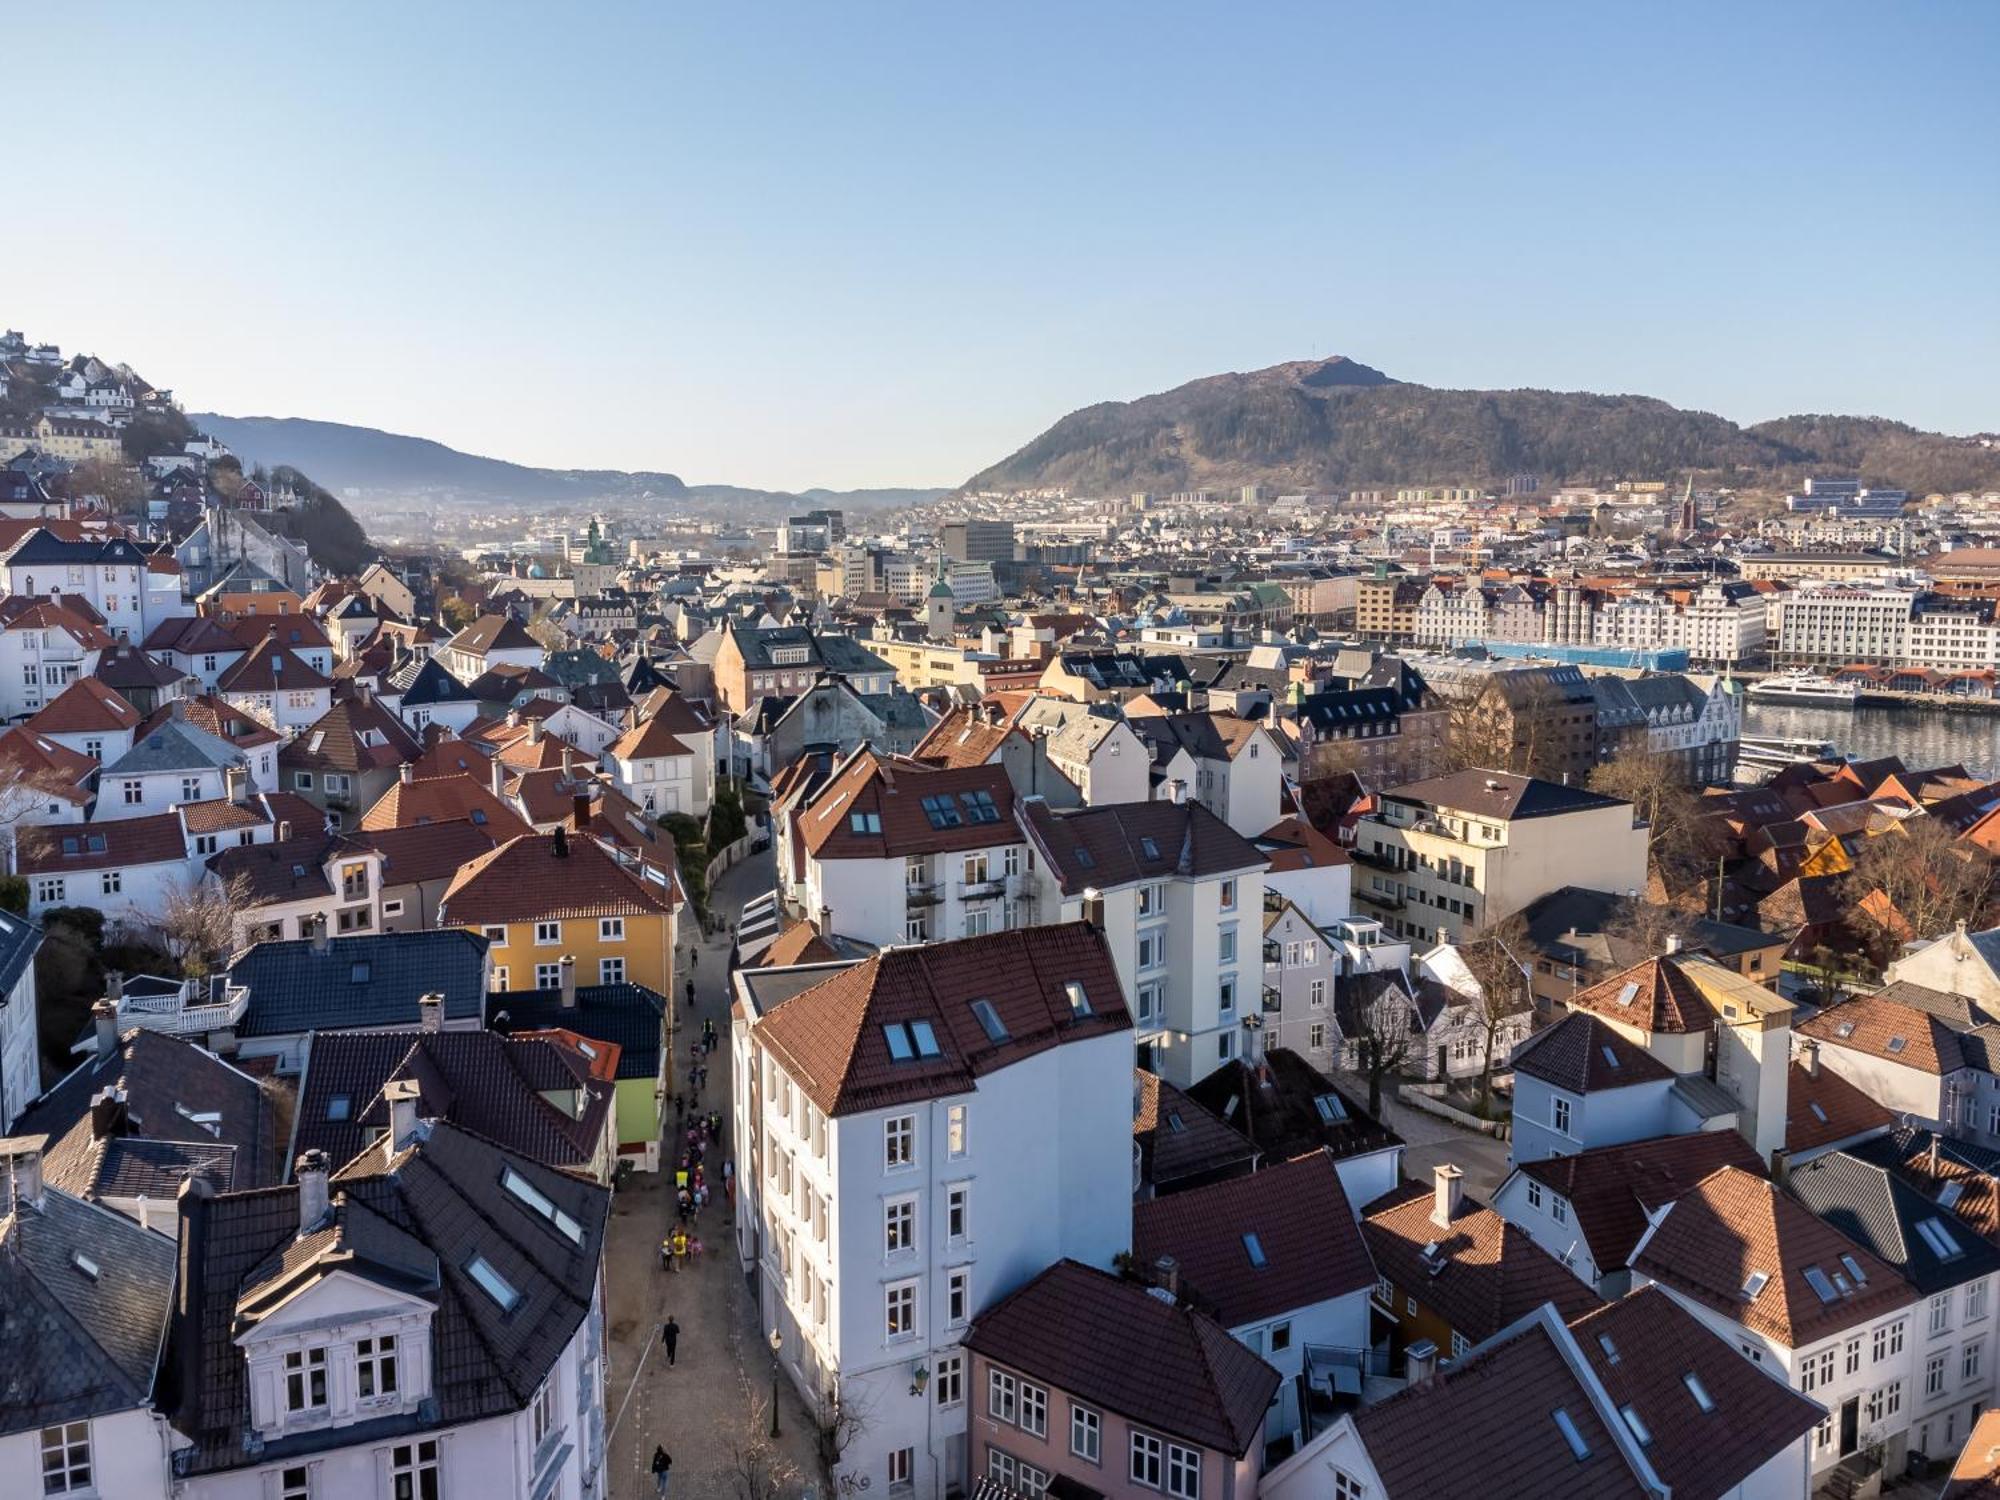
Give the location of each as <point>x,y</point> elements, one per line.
<point>777,1344</point>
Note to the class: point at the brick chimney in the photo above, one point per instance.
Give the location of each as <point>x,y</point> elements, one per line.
<point>108,1113</point>
<point>430,1012</point>
<point>1167,1275</point>
<point>104,1018</point>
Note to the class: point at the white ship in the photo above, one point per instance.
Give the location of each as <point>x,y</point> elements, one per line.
<point>1807,688</point>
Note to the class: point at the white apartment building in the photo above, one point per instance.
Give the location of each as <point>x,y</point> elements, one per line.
<point>1179,897</point>
<point>917,1136</point>
<point>1837,624</point>
<point>1722,624</point>
<point>898,851</point>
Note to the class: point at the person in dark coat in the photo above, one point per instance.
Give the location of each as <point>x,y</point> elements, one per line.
<point>663,1466</point>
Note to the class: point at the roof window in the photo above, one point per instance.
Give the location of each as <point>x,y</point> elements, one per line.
<point>84,1264</point>
<point>942,812</point>
<point>1084,857</point>
<point>910,1040</point>
<point>1854,1269</point>
<point>1610,1057</point>
<point>1754,1284</point>
<point>1330,1109</point>
<point>1254,1248</point>
<point>1631,1416</point>
<point>359,974</point>
<point>340,1107</point>
<point>989,1021</point>
<point>1699,1391</point>
<point>1818,1113</point>
<point>491,1282</point>
<point>1628,992</point>
<point>1845,1028</point>
<point>1149,848</point>
<point>864,822</point>
<point>1821,1287</point>
<point>1578,1448</point>
<point>533,1198</point>
<point>1949,1194</point>
<point>1079,1002</point>
<point>1610,1349</point>
<point>1939,1239</point>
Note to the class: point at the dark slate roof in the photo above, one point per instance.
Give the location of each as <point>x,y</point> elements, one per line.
<point>1277,1107</point>
<point>359,981</point>
<point>1501,795</point>
<point>412,1221</point>
<point>73,1346</point>
<point>1113,1344</point>
<point>425,683</point>
<point>1878,1210</point>
<point>167,1083</point>
<point>629,1016</point>
<point>176,746</point>
<point>20,941</point>
<point>1107,846</point>
<point>498,1087</point>
<point>1583,1055</point>
<point>1179,1141</point>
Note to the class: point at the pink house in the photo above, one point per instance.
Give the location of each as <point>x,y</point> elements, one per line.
<point>1088,1385</point>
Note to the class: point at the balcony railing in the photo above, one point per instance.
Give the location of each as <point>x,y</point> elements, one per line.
<point>922,895</point>
<point>175,1015</point>
<point>982,890</point>
<point>1273,1001</point>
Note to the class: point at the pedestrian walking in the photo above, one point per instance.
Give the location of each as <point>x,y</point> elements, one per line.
<point>690,994</point>
<point>670,1336</point>
<point>663,1466</point>
<point>694,960</point>
<point>680,1259</point>
<point>694,1248</point>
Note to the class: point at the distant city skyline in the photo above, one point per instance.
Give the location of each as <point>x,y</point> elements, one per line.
<point>800,245</point>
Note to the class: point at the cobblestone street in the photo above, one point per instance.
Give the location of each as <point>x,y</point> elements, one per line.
<point>713,1406</point>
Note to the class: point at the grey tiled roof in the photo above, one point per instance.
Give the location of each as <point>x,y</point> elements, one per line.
<point>20,941</point>
<point>629,1016</point>
<point>360,981</point>
<point>175,746</point>
<point>1880,1212</point>
<point>412,1221</point>
<point>73,1346</point>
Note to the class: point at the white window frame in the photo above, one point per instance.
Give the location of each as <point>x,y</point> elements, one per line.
<point>373,1359</point>
<point>611,970</point>
<point>899,1301</point>
<point>1147,1461</point>
<point>548,934</point>
<point>611,929</point>
<point>899,1143</point>
<point>76,1476</point>
<point>1086,1434</point>
<point>899,1226</point>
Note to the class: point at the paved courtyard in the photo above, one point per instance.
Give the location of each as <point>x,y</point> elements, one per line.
<point>1431,1141</point>
<point>712,1409</point>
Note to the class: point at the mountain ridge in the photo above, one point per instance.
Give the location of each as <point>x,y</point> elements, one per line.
<point>1336,424</point>
<point>345,455</point>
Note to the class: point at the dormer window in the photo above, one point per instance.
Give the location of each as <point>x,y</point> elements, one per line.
<point>305,1380</point>
<point>375,1367</point>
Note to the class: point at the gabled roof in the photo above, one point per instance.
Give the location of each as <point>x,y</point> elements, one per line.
<point>1643,1349</point>
<point>268,667</point>
<point>1119,843</point>
<point>878,807</point>
<point>1113,1344</point>
<point>1899,1024</point>
<point>498,1087</point>
<point>424,683</point>
<point>627,1016</point>
<point>86,706</point>
<point>77,1345</point>
<point>1484,1273</point>
<point>34,761</point>
<point>1486,1425</point>
<point>1179,1139</point>
<point>1613,1190</point>
<point>1822,1108</point>
<point>1501,795</point>
<point>352,736</point>
<point>1583,1055</point>
<point>444,799</point>
<point>360,981</point>
<point>962,737</point>
<point>116,843</point>
<point>1900,1226</point>
<point>552,876</point>
<point>494,633</point>
<point>842,1039</point>
<point>413,1221</point>
<point>1256,1247</point>
<point>433,851</point>
<point>175,745</point>
<point>1733,1228</point>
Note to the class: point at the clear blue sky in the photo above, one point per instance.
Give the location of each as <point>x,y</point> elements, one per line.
<point>870,244</point>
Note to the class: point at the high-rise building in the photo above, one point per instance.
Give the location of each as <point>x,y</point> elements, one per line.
<point>979,541</point>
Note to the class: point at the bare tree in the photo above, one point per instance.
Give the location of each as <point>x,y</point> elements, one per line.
<point>1680,840</point>
<point>837,1422</point>
<point>757,1471</point>
<point>197,919</point>
<point>1930,881</point>
<point>1500,962</point>
<point>1381,1042</point>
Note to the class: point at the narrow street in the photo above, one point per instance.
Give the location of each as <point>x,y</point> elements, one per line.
<point>712,1409</point>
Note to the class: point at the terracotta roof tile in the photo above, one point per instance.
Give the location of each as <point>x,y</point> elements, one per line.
<point>1880,1025</point>
<point>1128,841</point>
<point>1112,1343</point>
<point>1664,998</point>
<point>1180,1139</point>
<point>1823,1110</point>
<point>443,799</point>
<point>1308,1246</point>
<point>1491,1274</point>
<point>1582,1054</point>
<point>1734,1225</point>
<point>550,876</point>
<point>1613,1189</point>
<point>883,808</point>
<point>86,705</point>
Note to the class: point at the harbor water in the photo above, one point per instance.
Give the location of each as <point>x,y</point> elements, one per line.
<point>1921,736</point>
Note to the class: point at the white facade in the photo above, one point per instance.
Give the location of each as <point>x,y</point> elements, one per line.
<point>36,665</point>
<point>20,1048</point>
<point>125,1452</point>
<point>922,897</point>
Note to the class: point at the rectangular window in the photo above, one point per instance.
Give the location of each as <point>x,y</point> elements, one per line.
<point>950,1379</point>
<point>413,1471</point>
<point>1183,1472</point>
<point>1559,1114</point>
<point>49,890</point>
<point>611,929</point>
<point>1940,1312</point>
<point>1003,1396</point>
<point>1975,1301</point>
<point>500,978</point>
<point>295,1483</point>
<point>1225,1047</point>
<point>134,792</point>
<point>1228,895</point>
<point>899,1226</point>
<point>899,1142</point>
<point>1971,1358</point>
<point>1225,998</point>
<point>1316,993</point>
<point>111,882</point>
<point>1148,1460</point>
<point>611,971</point>
<point>547,933</point>
<point>548,976</point>
<point>1316,1036</point>
<point>305,1380</point>
<point>1534,1193</point>
<point>1225,945</point>
<point>1034,1409</point>
<point>1852,1360</point>
<point>900,1308</point>
<point>375,1367</point>
<point>902,1468</point>
<point>1934,1375</point>
<point>1086,1432</point>
<point>958,1296</point>
<point>956,1211</point>
<point>66,1466</point>
<point>954,1131</point>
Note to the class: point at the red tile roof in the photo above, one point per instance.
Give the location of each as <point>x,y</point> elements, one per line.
<point>1112,1344</point>
<point>434,851</point>
<point>1663,998</point>
<point>892,792</point>
<point>962,737</point>
<point>1880,1026</point>
<point>1308,1245</point>
<point>268,667</point>
<point>37,763</point>
<point>443,799</point>
<point>797,944</point>
<point>1823,1110</point>
<point>1613,1189</point>
<point>1733,1225</point>
<point>85,706</point>
<point>102,846</point>
<point>833,1038</point>
<point>1178,1137</point>
<point>550,877</point>
<point>1491,1273</point>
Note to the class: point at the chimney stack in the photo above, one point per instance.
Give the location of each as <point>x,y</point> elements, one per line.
<point>236,784</point>
<point>559,842</point>
<point>580,804</point>
<point>1167,1273</point>
<point>108,1113</point>
<point>402,1094</point>
<point>497,775</point>
<point>1810,1057</point>
<point>1423,1361</point>
<point>534,731</point>
<point>1448,1188</point>
<point>320,940</point>
<point>408,773</point>
<point>314,1204</point>
<point>430,1012</point>
<point>114,985</point>
<point>23,1155</point>
<point>1673,942</point>
<point>569,981</point>
<point>104,1016</point>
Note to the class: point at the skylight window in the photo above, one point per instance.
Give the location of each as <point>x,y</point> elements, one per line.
<point>1939,1239</point>
<point>1610,1349</point>
<point>340,1107</point>
<point>540,1202</point>
<point>1818,1113</point>
<point>864,822</point>
<point>1755,1284</point>
<point>1079,1002</point>
<point>358,974</point>
<point>941,812</point>
<point>1631,1416</point>
<point>1854,1269</point>
<point>491,1282</point>
<point>979,807</point>
<point>898,1038</point>
<point>1845,1028</point>
<point>84,1264</point>
<point>1330,1109</point>
<point>1699,1391</point>
<point>1149,848</point>
<point>924,1038</point>
<point>1898,1043</point>
<point>1084,858</point>
<point>1628,992</point>
<point>1578,1448</point>
<point>1175,1123</point>
<point>1610,1058</point>
<point>1949,1194</point>
<point>1254,1248</point>
<point>1822,1288</point>
<point>989,1020</point>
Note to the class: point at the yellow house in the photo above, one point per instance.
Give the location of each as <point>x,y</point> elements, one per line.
<point>546,898</point>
